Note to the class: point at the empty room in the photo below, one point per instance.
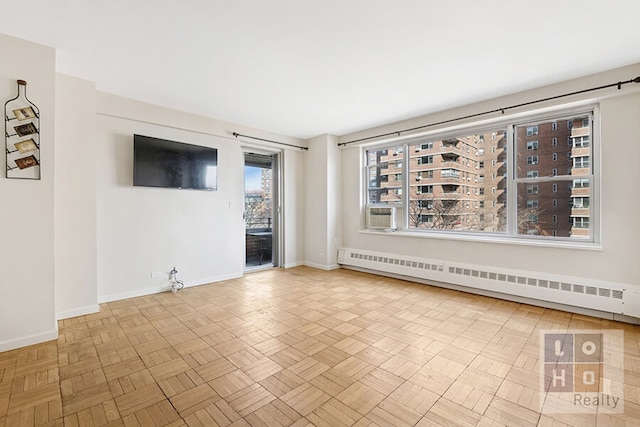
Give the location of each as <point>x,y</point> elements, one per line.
<point>299,213</point>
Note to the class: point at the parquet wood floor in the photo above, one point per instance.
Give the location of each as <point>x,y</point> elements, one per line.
<point>300,347</point>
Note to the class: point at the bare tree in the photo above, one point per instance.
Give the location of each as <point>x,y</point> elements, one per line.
<point>257,211</point>
<point>442,213</point>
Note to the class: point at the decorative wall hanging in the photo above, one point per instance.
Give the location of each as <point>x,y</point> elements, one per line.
<point>22,135</point>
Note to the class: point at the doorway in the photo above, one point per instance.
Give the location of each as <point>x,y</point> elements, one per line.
<point>261,202</point>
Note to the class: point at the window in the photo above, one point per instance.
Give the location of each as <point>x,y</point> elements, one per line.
<point>425,218</point>
<point>380,164</point>
<point>425,160</point>
<point>548,211</point>
<point>449,173</point>
<point>580,222</point>
<point>580,202</point>
<point>551,200</point>
<point>425,204</point>
<point>581,162</point>
<point>580,183</point>
<point>580,141</point>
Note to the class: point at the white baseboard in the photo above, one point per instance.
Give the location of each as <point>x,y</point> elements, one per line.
<point>212,279</point>
<point>321,266</point>
<point>294,264</point>
<point>75,312</point>
<point>158,289</point>
<point>28,340</point>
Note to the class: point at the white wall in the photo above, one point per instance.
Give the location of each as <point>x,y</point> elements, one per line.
<point>322,202</point>
<point>27,305</point>
<point>293,219</point>
<point>143,230</point>
<point>83,234</point>
<point>315,203</point>
<point>615,262</point>
<point>75,198</point>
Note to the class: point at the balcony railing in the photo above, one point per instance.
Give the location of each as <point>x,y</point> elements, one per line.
<point>257,222</point>
<point>448,173</point>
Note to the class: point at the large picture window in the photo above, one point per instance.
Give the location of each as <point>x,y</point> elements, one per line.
<point>543,195</point>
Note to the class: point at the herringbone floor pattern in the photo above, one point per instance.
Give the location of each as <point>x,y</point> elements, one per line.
<point>299,347</point>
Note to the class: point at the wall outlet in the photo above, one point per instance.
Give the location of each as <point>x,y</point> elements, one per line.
<point>156,274</point>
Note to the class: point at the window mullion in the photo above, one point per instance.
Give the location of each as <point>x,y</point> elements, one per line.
<point>512,187</point>
<point>405,187</point>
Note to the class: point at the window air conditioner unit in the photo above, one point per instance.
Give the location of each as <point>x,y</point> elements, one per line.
<point>381,217</point>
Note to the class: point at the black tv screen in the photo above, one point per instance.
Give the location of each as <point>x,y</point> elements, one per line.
<point>171,164</point>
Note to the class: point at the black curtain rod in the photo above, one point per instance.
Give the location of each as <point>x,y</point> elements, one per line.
<point>497,110</point>
<point>236,134</point>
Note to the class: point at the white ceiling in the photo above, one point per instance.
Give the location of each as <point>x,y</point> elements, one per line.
<point>308,67</point>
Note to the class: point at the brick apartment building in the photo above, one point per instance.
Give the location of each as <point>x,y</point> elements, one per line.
<point>461,183</point>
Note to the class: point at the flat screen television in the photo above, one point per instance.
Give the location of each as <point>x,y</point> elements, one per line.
<point>171,164</point>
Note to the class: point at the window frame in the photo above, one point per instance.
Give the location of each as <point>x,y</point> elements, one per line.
<point>593,179</point>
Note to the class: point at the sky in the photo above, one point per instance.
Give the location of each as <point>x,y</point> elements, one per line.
<point>252,178</point>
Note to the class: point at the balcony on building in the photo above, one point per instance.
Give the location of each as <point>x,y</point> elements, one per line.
<point>580,131</point>
<point>580,212</point>
<point>449,158</point>
<point>450,188</point>
<point>578,191</point>
<point>450,175</point>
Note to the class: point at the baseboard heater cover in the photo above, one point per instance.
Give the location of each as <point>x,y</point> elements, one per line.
<point>565,290</point>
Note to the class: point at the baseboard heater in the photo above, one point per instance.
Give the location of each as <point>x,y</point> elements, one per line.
<point>621,301</point>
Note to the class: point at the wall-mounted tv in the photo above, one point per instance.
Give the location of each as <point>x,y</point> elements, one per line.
<point>171,164</point>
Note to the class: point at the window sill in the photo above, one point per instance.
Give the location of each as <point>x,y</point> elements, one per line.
<point>467,237</point>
